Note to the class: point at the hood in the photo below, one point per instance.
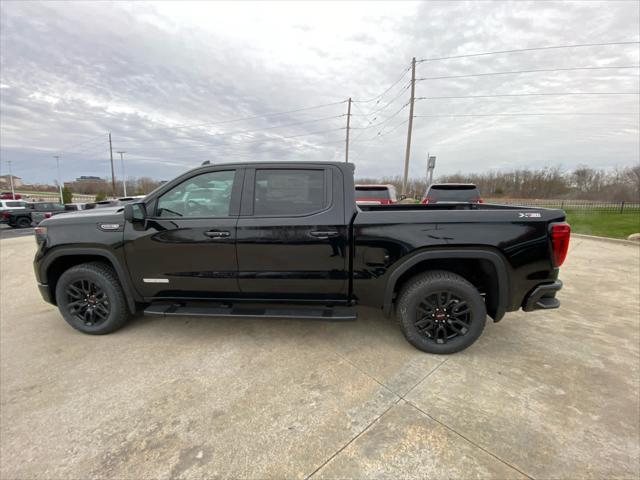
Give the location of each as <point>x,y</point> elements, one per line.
<point>94,215</point>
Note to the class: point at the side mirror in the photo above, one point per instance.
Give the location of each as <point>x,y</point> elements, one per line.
<point>135,212</point>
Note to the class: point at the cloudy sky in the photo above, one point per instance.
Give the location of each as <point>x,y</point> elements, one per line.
<point>177,84</point>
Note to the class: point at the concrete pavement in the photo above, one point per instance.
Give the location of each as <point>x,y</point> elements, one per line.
<point>540,395</point>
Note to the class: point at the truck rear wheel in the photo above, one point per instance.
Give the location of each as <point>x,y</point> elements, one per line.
<point>90,298</point>
<point>440,312</point>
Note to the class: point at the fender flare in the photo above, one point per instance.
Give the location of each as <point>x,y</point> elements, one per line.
<point>98,252</point>
<point>497,260</point>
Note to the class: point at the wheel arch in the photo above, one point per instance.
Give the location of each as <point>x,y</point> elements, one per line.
<point>57,262</point>
<point>486,269</point>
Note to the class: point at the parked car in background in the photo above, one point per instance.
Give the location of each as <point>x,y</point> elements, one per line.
<point>7,206</point>
<point>74,207</point>
<point>375,194</point>
<point>10,196</point>
<point>452,193</point>
<point>113,202</point>
<point>32,214</point>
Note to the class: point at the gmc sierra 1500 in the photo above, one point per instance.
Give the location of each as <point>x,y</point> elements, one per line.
<point>288,240</point>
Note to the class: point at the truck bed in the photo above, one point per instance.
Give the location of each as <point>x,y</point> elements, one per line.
<point>516,238</point>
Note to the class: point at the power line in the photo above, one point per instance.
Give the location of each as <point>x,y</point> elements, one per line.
<point>241,154</point>
<point>386,105</point>
<point>90,140</point>
<point>380,134</point>
<point>244,142</point>
<point>211,124</point>
<point>525,114</point>
<point>238,132</point>
<point>527,71</point>
<point>383,121</point>
<point>526,95</point>
<point>551,47</point>
<point>404,74</point>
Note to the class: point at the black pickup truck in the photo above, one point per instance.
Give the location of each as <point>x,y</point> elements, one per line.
<point>288,240</point>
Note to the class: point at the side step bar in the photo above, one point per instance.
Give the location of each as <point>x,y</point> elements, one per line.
<point>302,312</point>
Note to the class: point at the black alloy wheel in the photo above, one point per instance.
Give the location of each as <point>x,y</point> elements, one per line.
<point>88,302</point>
<point>440,312</point>
<point>91,299</point>
<point>442,316</point>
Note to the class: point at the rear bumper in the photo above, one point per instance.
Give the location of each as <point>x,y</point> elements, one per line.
<point>543,297</point>
<point>46,293</point>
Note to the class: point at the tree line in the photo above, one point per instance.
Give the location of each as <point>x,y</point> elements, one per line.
<point>583,183</point>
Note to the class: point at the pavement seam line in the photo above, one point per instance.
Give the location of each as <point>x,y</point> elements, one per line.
<point>375,420</point>
<point>469,440</point>
<point>366,374</point>
<point>433,370</point>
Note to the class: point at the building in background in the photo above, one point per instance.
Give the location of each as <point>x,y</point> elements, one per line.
<point>88,184</point>
<point>5,182</point>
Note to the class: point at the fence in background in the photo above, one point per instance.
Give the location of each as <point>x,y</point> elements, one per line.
<point>54,197</point>
<point>584,206</point>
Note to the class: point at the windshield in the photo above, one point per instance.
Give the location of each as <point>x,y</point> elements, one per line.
<point>454,194</point>
<point>379,193</point>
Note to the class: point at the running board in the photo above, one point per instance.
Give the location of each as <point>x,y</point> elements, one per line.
<point>302,312</point>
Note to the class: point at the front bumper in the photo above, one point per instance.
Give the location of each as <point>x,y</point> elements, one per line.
<point>46,293</point>
<point>543,297</point>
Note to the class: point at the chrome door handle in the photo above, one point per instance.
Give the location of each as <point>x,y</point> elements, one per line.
<point>217,234</point>
<point>324,234</point>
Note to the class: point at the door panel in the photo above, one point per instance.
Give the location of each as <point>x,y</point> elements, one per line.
<point>186,249</point>
<point>301,254</point>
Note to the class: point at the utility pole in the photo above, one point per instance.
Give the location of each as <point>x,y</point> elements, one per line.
<point>57,157</point>
<point>407,153</point>
<point>346,150</point>
<point>124,177</point>
<point>113,175</point>
<point>13,192</point>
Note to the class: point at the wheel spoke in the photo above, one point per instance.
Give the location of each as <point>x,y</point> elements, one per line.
<point>424,323</point>
<point>459,330</point>
<point>74,291</point>
<point>441,334</point>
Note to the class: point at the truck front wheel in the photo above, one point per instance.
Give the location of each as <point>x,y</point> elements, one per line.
<point>440,312</point>
<point>23,222</point>
<point>91,299</point>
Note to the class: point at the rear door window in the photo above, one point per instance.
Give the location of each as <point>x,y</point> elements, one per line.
<point>286,192</point>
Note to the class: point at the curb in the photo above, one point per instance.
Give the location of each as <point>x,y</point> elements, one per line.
<point>619,241</point>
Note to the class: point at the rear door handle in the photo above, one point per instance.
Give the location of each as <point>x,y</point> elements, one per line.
<point>217,234</point>
<point>325,234</point>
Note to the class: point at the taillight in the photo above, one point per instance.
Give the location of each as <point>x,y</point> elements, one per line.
<point>560,233</point>
<point>427,200</point>
<point>479,200</point>
<point>47,215</point>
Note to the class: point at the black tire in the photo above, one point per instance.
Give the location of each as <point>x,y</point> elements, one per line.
<point>435,323</point>
<point>91,299</point>
<point>23,222</point>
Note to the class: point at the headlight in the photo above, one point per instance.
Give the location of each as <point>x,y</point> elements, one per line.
<point>41,235</point>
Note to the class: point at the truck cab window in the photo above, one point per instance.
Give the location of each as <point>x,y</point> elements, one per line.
<point>285,192</point>
<point>206,195</point>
